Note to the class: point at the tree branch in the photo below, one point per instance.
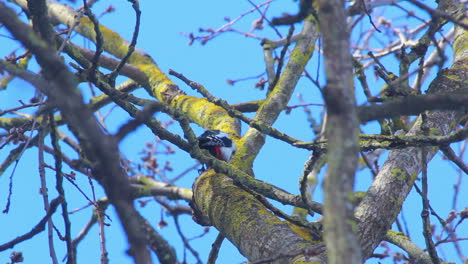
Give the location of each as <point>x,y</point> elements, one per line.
<point>278,98</point>
<point>414,105</point>
<point>98,147</point>
<point>342,130</point>
<point>36,229</point>
<point>383,201</point>
<point>405,243</point>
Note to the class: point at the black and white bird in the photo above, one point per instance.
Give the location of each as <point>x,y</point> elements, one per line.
<point>218,144</point>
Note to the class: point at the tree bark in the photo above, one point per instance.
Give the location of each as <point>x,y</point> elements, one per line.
<point>342,131</point>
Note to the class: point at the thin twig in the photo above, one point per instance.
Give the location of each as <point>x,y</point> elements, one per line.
<point>369,16</point>
<point>215,249</point>
<point>186,242</point>
<point>435,13</point>
<point>25,146</point>
<point>226,27</point>
<point>368,164</point>
<point>310,165</point>
<point>131,47</point>
<point>20,107</point>
<point>99,40</point>
<point>45,195</point>
<point>235,113</point>
<point>425,212</point>
<point>272,85</point>
<point>71,256</point>
<point>265,18</point>
<point>450,154</point>
<point>37,228</point>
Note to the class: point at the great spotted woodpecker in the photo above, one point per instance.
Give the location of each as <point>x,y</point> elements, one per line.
<point>218,144</point>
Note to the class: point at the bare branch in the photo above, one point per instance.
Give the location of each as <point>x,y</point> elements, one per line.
<point>37,228</point>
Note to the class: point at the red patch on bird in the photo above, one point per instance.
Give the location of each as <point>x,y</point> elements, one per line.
<point>218,152</point>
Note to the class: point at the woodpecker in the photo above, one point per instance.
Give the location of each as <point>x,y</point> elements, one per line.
<point>217,143</point>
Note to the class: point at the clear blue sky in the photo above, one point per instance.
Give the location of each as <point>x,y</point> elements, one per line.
<point>229,56</point>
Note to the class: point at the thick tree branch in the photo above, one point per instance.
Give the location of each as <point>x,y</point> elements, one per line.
<point>372,142</point>
<point>278,98</point>
<point>342,130</point>
<point>404,106</point>
<point>414,105</point>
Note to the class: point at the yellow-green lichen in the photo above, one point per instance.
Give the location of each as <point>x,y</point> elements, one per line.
<point>302,260</point>
<point>399,174</point>
<point>397,235</point>
<point>302,232</point>
<point>414,177</point>
<point>460,45</point>
<point>159,83</point>
<point>204,113</point>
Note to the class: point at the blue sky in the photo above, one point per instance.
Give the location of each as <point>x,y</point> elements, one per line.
<point>229,56</point>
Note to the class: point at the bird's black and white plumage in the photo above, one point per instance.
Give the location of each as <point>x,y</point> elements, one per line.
<point>217,143</point>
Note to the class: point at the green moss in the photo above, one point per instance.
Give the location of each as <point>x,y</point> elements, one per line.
<point>399,174</point>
